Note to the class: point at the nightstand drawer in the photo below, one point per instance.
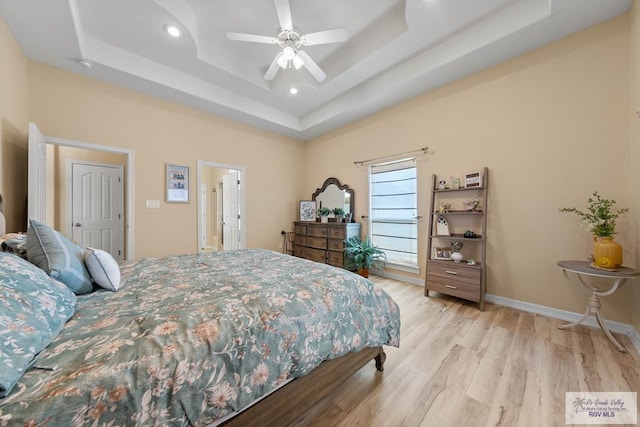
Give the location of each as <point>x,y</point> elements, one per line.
<point>316,255</point>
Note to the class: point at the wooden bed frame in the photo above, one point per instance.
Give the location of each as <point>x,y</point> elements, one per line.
<point>293,400</point>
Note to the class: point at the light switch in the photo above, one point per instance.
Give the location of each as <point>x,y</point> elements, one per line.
<point>153,204</point>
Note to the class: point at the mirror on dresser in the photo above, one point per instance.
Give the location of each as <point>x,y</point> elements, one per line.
<point>324,241</point>
<point>332,195</point>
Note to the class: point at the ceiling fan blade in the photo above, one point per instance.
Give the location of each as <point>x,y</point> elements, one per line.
<point>322,37</point>
<point>284,14</point>
<point>242,37</point>
<point>313,68</point>
<point>273,69</point>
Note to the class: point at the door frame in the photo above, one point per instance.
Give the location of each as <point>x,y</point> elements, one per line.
<point>241,200</point>
<point>40,193</point>
<point>69,224</point>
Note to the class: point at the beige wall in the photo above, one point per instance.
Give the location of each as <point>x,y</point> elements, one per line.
<point>551,125</point>
<point>634,115</point>
<point>69,106</point>
<point>13,129</point>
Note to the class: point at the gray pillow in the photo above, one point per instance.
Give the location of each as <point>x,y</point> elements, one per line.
<point>58,256</point>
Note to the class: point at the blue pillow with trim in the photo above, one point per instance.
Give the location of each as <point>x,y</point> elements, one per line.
<point>33,310</point>
<point>58,256</point>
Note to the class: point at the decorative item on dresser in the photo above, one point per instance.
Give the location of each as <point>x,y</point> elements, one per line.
<point>323,242</point>
<point>460,279</point>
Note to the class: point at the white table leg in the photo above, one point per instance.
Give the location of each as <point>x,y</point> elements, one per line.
<point>576,323</point>
<point>608,333</point>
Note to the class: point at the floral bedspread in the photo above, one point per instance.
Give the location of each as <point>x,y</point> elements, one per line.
<point>188,339</point>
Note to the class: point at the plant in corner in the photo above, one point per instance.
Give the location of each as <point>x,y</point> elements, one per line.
<point>600,219</point>
<point>363,255</point>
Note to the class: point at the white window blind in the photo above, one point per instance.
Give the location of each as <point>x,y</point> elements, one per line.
<point>394,210</point>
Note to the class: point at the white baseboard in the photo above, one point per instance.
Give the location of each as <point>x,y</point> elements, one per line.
<point>569,316</point>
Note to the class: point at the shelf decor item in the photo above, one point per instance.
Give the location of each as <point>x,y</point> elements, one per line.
<point>442,228</point>
<point>600,219</point>
<point>473,179</point>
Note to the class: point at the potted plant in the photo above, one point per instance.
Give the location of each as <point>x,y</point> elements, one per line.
<point>323,213</point>
<point>600,219</point>
<point>363,255</point>
<point>338,213</point>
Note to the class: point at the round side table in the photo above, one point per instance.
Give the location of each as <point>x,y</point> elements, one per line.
<point>583,269</point>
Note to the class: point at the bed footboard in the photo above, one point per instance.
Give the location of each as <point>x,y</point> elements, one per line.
<point>289,403</point>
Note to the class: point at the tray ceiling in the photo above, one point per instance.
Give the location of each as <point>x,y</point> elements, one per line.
<point>396,49</point>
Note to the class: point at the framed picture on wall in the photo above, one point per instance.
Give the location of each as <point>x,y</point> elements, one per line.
<point>177,183</point>
<point>307,210</point>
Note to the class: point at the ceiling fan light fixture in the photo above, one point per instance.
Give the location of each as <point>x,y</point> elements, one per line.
<point>172,30</point>
<point>288,53</point>
<point>282,62</point>
<point>297,62</point>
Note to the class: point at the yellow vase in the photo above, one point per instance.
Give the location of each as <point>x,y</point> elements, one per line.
<point>606,252</point>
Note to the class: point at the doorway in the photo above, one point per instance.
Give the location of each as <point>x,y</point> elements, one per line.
<point>221,207</point>
<point>46,197</point>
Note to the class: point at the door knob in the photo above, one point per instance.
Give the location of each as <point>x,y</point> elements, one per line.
<point>77,224</point>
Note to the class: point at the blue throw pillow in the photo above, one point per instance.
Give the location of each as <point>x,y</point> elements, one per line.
<point>33,310</point>
<point>58,256</point>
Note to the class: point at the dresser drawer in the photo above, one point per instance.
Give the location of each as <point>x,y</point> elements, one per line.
<point>335,245</point>
<point>335,258</point>
<point>317,231</point>
<point>301,240</point>
<point>337,233</point>
<point>316,255</point>
<point>301,229</point>
<point>317,242</point>
<point>300,251</point>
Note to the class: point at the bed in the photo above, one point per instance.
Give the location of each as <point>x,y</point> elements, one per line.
<point>237,337</point>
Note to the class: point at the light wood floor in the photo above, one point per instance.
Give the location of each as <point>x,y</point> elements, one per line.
<point>459,366</point>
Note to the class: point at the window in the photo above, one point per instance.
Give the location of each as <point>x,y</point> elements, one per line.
<point>394,211</point>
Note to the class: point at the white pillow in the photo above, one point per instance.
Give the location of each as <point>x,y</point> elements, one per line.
<point>103,268</point>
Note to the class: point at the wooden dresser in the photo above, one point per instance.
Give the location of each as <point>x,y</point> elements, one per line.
<point>323,242</point>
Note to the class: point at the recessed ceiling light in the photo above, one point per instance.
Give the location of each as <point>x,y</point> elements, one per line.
<point>172,30</point>
<point>84,62</point>
<point>293,90</point>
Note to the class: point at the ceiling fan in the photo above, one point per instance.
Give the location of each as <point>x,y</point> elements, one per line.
<point>291,43</point>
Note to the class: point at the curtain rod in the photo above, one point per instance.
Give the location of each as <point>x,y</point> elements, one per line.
<point>362,162</point>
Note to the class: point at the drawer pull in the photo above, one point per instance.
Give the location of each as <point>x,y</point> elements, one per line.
<point>451,272</point>
<point>450,286</point>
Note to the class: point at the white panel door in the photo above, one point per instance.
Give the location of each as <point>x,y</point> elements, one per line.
<point>37,175</point>
<point>230,211</point>
<point>97,200</point>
